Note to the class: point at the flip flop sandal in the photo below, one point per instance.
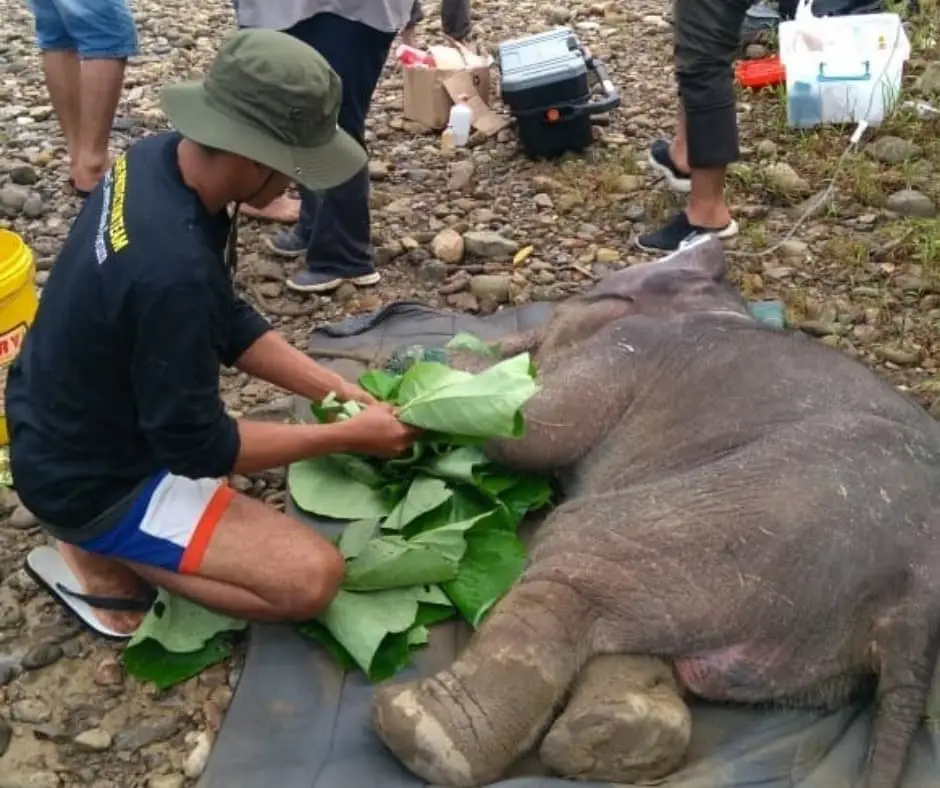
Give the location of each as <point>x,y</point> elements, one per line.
<point>48,568</point>
<point>80,192</point>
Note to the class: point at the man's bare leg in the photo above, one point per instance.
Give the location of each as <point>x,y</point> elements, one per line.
<point>679,147</point>
<point>101,83</point>
<point>63,81</point>
<point>707,206</point>
<point>260,565</point>
<point>409,35</point>
<point>107,577</point>
<point>283,209</point>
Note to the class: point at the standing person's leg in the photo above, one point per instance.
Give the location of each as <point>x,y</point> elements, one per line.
<point>455,19</point>
<point>106,36</point>
<point>408,32</point>
<point>707,38</point>
<point>338,247</point>
<point>283,209</point>
<point>62,70</point>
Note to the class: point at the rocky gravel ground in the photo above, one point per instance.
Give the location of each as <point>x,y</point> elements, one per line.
<point>862,273</point>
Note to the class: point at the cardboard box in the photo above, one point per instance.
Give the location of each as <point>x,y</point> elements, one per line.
<point>427,100</point>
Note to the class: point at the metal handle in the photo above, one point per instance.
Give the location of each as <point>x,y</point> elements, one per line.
<point>864,76</point>
<point>611,98</point>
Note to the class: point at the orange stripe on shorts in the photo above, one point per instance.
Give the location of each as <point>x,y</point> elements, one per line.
<point>202,533</point>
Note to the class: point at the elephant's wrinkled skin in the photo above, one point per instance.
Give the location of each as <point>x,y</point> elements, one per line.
<point>754,508</point>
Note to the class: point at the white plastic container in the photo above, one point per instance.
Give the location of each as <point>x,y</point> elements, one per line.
<point>844,69</point>
<point>460,120</point>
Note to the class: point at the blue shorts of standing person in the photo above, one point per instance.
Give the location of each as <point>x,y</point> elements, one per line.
<point>92,28</point>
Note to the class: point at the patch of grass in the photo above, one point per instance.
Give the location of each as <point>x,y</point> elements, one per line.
<point>595,182</point>
<point>919,242</point>
<point>661,203</point>
<point>755,234</point>
<point>864,179</point>
<point>849,251</point>
<point>797,303</point>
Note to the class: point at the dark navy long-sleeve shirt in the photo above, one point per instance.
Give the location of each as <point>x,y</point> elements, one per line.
<point>118,378</point>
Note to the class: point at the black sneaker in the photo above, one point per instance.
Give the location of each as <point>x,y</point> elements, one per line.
<point>316,282</point>
<point>679,231</point>
<point>661,161</point>
<point>289,243</point>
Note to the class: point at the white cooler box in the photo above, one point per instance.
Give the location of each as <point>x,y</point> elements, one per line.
<point>844,69</point>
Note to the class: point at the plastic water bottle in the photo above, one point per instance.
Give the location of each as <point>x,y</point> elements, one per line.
<point>460,119</point>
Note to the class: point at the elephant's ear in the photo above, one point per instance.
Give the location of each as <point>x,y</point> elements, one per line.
<point>705,256</point>
<point>702,260</point>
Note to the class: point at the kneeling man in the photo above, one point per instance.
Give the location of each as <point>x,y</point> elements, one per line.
<point>119,437</point>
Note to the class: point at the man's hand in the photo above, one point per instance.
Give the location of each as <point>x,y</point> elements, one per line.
<point>377,431</point>
<point>350,392</point>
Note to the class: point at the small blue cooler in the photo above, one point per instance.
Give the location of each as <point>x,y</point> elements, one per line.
<point>545,83</point>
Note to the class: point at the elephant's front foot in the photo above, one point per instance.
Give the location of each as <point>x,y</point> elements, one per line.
<point>466,726</point>
<point>626,722</point>
<point>430,731</point>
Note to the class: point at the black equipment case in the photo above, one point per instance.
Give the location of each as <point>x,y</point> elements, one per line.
<point>545,83</point>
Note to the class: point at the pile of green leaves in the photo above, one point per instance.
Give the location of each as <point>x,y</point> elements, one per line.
<point>434,532</point>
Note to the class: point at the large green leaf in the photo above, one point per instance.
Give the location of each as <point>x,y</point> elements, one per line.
<point>519,494</point>
<point>320,486</point>
<point>356,536</point>
<point>493,561</point>
<point>460,464</point>
<point>381,384</point>
<point>486,405</point>
<point>361,623</point>
<point>424,495</point>
<point>181,626</point>
<point>393,562</point>
<point>394,650</point>
<point>177,640</point>
<point>426,376</point>
<point>148,661</point>
<point>448,540</point>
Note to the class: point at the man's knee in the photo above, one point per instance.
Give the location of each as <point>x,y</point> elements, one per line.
<point>709,85</point>
<point>310,584</point>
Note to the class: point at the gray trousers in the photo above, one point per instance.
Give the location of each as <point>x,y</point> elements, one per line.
<point>455,17</point>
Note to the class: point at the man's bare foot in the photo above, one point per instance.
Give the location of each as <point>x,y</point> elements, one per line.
<point>283,209</point>
<point>100,576</point>
<point>87,173</point>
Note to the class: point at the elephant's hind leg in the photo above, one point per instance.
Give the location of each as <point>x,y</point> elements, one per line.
<point>626,722</point>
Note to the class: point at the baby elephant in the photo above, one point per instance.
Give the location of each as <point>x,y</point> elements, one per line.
<point>750,517</point>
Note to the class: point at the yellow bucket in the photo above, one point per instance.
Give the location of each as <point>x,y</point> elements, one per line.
<point>18,305</point>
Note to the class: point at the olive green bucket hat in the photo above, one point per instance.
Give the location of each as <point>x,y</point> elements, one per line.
<point>274,100</point>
